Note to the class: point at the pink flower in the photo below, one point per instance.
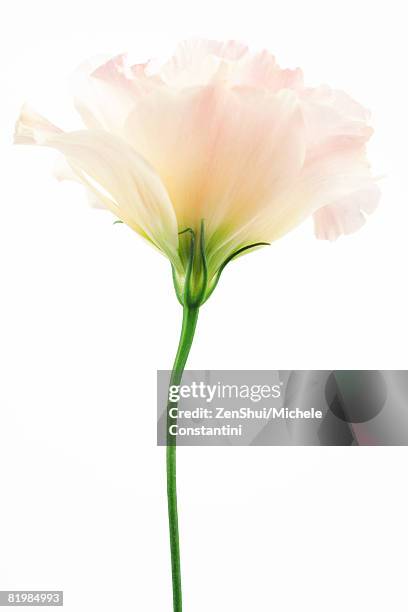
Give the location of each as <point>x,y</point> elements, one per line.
<point>219,135</point>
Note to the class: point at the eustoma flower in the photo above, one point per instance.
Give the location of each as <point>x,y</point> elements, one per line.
<point>208,156</point>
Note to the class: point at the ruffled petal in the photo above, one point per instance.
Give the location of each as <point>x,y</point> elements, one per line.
<point>347,215</point>
<point>337,174</point>
<point>196,62</point>
<point>260,70</point>
<point>333,121</point>
<point>105,92</point>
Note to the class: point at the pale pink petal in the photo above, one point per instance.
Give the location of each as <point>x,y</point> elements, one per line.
<point>197,62</point>
<point>345,216</point>
<point>221,153</point>
<point>262,71</point>
<point>336,175</point>
<point>105,93</point>
<point>333,120</point>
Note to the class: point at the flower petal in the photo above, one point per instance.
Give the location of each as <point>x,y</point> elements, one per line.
<point>105,92</point>
<point>197,62</point>
<point>336,169</point>
<point>222,153</point>
<point>347,215</point>
<point>333,121</point>
<point>261,70</point>
<point>32,128</point>
<point>116,174</point>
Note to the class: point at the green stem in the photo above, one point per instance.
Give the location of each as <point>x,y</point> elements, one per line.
<point>190,315</point>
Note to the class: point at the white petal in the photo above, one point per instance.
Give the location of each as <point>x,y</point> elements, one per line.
<point>116,174</point>
<point>32,128</point>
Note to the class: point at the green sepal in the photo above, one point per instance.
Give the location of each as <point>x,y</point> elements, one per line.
<point>194,287</point>
<point>214,282</point>
<point>191,288</point>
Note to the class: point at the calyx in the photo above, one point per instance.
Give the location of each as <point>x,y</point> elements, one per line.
<point>194,286</point>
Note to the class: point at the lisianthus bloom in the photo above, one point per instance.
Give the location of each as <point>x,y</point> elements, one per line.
<point>212,153</point>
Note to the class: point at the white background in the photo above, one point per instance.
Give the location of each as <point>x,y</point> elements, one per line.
<point>88,315</point>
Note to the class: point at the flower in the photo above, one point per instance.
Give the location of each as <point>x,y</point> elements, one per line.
<point>213,153</point>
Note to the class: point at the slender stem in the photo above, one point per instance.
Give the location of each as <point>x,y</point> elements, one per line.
<point>190,315</point>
